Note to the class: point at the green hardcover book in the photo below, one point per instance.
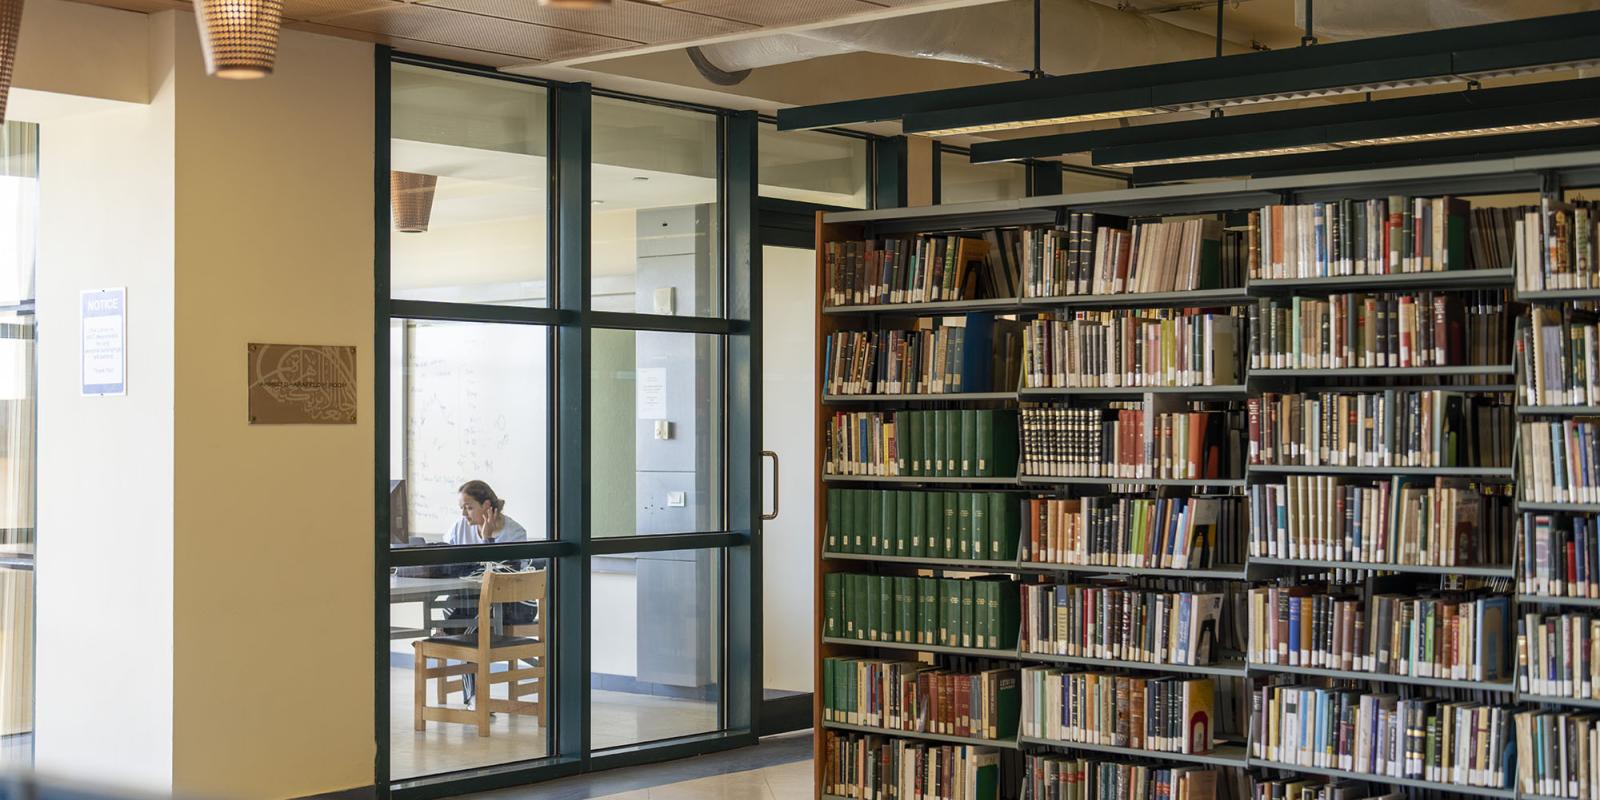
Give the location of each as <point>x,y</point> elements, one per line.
<point>943,611</point>
<point>885,608</point>
<point>967,608</point>
<point>983,441</point>
<point>933,530</point>
<point>947,546</point>
<point>952,609</point>
<point>844,689</point>
<point>874,520</point>
<point>918,524</point>
<point>847,605</point>
<point>1008,701</point>
<point>986,780</point>
<point>952,441</point>
<point>1005,526</point>
<point>905,609</point>
<point>903,501</point>
<point>863,593</point>
<point>964,525</point>
<point>980,613</point>
<point>861,514</point>
<point>831,599</point>
<point>930,434</point>
<point>1003,444</point>
<point>873,610</point>
<point>940,421</point>
<point>980,525</point>
<point>992,611</point>
<point>969,442</point>
<point>832,544</point>
<point>828,690</point>
<point>927,609</point>
<point>1008,616</point>
<point>888,522</point>
<point>913,445</point>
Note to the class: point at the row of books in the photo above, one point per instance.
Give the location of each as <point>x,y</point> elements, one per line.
<point>875,767</point>
<point>916,697</point>
<point>980,354</point>
<point>1557,655</point>
<point>1360,330</point>
<point>1441,522</point>
<point>1558,351</point>
<point>1098,254</point>
<point>1312,787</point>
<point>1388,428</point>
<point>1558,753</point>
<point>967,443</point>
<point>1560,460</point>
<point>919,269</point>
<point>1131,348</point>
<point>1450,635</point>
<point>1556,246</point>
<point>1382,735</point>
<point>1064,777</point>
<point>1560,556</point>
<point>1380,236</point>
<point>1166,714</point>
<point>1198,532</point>
<point>948,612</point>
<point>1122,623</point>
<point>1124,442</point>
<point>981,526</point>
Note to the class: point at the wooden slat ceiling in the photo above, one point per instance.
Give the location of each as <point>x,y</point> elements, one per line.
<point>500,33</point>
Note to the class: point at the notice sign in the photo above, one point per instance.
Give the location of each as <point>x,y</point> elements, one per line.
<point>299,384</point>
<point>651,402</point>
<point>103,346</point>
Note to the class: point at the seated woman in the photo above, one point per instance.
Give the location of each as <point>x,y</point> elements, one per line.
<point>483,521</point>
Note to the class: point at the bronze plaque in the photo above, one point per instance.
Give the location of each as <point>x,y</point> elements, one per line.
<point>299,384</point>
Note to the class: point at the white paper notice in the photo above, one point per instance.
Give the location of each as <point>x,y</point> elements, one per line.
<point>104,341</point>
<point>652,388</point>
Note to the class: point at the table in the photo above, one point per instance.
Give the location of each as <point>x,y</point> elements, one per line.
<point>428,592</point>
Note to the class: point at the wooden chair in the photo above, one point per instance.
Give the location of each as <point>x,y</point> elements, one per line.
<point>480,651</point>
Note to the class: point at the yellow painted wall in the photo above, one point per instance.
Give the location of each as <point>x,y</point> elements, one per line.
<point>273,525</point>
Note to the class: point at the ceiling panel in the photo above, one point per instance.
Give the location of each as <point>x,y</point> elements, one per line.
<point>486,58</point>
<point>637,21</point>
<point>782,12</point>
<point>476,32</point>
<point>311,9</point>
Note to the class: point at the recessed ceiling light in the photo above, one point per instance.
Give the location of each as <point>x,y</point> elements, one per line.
<point>597,202</point>
<point>641,178</point>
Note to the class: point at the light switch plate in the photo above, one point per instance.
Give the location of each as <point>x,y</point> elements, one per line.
<point>676,500</point>
<point>666,301</point>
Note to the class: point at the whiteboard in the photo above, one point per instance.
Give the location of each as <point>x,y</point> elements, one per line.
<point>476,408</point>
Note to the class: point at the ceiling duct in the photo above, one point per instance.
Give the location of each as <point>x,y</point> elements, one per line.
<point>1078,36</point>
<point>1359,19</point>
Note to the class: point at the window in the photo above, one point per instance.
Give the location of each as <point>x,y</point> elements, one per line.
<point>655,223</point>
<point>19,204</point>
<point>813,167</point>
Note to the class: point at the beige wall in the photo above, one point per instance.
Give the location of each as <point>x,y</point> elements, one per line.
<point>105,486</point>
<point>273,525</point>
<point>205,587</point>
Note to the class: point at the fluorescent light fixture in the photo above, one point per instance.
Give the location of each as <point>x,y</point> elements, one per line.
<point>1481,112</point>
<point>1449,56</point>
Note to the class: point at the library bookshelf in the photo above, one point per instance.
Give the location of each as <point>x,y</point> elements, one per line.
<point>1527,179</point>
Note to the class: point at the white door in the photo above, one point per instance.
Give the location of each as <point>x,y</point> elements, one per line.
<point>789,328</point>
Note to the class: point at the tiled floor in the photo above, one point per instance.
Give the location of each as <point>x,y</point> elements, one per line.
<point>779,768</point>
<point>617,719</point>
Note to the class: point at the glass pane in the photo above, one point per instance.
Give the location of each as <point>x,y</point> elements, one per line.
<point>813,167</point>
<point>961,181</point>
<point>656,432</point>
<point>655,235</point>
<point>439,654</point>
<point>17,457</point>
<point>468,185</point>
<point>470,405</point>
<point>655,627</point>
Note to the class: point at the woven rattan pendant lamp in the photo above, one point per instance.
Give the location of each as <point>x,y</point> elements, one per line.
<point>239,37</point>
<point>10,23</point>
<point>411,200</point>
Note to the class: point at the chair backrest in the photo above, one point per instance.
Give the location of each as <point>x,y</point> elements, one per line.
<point>511,587</point>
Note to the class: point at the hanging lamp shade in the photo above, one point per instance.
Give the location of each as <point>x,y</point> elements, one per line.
<point>239,37</point>
<point>411,200</point>
<point>10,23</point>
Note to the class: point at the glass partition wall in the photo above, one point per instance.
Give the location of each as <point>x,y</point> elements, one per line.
<point>567,540</point>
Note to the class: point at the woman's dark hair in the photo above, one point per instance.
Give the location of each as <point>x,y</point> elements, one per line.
<point>480,491</point>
